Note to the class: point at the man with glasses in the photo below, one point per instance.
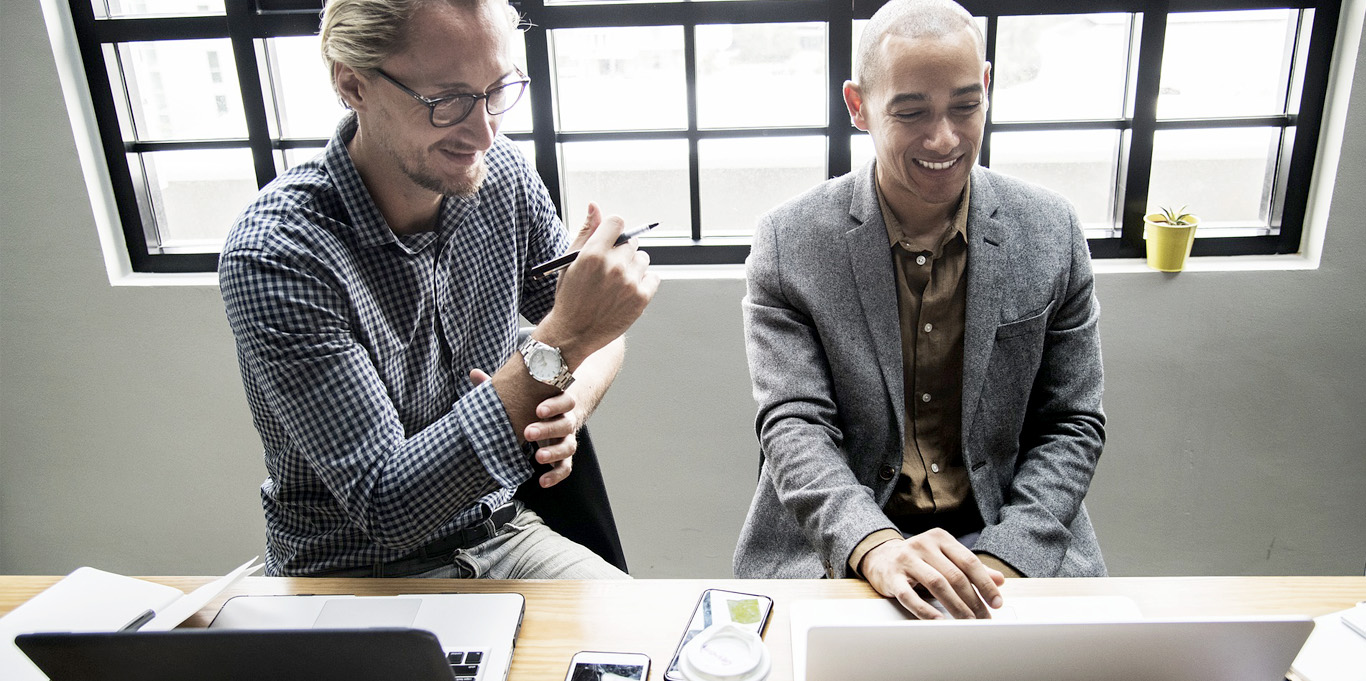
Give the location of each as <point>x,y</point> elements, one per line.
<point>923,339</point>
<point>375,291</point>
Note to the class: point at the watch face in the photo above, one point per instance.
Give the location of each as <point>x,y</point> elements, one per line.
<point>542,364</point>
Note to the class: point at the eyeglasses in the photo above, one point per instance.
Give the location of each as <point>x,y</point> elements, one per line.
<point>447,111</point>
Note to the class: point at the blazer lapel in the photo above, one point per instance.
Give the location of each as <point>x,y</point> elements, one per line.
<point>987,243</point>
<point>870,258</point>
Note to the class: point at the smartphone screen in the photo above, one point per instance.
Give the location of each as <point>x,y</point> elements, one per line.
<point>593,666</point>
<point>717,606</point>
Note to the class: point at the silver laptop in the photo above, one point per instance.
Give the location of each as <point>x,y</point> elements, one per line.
<point>477,632</point>
<point>1039,639</point>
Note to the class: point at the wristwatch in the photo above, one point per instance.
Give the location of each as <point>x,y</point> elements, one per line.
<point>546,364</point>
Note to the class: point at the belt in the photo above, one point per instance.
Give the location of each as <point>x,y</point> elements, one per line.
<point>434,554</point>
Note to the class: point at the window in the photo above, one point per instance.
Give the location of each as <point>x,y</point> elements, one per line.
<point>702,115</point>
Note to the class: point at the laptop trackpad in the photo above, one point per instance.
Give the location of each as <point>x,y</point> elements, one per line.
<point>352,613</point>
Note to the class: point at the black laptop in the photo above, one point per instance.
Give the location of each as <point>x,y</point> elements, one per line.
<point>378,654</point>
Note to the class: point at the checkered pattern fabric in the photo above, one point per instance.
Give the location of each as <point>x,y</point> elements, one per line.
<point>355,347</point>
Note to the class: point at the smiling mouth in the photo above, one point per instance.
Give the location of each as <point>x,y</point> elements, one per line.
<point>936,166</point>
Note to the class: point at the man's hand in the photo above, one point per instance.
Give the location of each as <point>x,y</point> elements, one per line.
<point>945,568</point>
<point>601,294</point>
<point>557,422</point>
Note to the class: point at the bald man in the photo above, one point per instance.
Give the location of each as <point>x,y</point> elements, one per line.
<point>923,343</point>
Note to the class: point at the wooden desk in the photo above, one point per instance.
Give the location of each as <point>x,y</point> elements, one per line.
<point>564,617</point>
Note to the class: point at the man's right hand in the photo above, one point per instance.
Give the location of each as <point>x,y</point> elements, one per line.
<point>602,293</point>
<point>945,568</point>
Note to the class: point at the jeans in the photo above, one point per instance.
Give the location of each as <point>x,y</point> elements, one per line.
<point>526,549</point>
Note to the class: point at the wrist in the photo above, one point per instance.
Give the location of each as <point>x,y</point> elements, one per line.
<point>571,346</point>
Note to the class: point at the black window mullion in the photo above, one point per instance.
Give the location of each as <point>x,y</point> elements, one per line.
<point>111,135</point>
<point>840,63</point>
<point>694,159</point>
<point>1140,152</point>
<point>240,26</point>
<point>542,99</point>
<point>993,27</point>
<point>1308,124</point>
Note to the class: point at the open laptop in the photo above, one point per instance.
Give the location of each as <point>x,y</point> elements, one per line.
<point>476,632</point>
<point>1038,639</point>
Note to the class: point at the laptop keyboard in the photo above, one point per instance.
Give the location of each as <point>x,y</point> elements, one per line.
<point>465,664</point>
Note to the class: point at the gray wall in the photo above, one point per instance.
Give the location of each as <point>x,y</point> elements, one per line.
<point>1236,439</point>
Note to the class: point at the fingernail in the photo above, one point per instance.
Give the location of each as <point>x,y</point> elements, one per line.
<point>533,433</point>
<point>996,602</point>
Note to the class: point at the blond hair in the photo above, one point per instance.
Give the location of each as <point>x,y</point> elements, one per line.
<point>362,34</point>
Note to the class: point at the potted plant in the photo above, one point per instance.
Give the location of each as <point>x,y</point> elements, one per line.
<point>1169,234</point>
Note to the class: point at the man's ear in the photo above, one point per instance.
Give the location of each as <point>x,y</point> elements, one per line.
<point>350,86</point>
<point>853,100</point>
<point>986,85</point>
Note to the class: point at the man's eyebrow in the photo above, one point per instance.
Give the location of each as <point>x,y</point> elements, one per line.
<point>974,89</point>
<point>465,88</point>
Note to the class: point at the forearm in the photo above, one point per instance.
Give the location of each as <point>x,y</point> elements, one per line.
<point>594,376</point>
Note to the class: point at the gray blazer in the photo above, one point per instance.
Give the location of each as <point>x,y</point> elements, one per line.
<point>823,338</point>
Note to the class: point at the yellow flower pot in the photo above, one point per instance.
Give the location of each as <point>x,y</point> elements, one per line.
<point>1168,245</point>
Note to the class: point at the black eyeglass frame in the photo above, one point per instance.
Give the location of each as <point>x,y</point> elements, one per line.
<point>471,98</point>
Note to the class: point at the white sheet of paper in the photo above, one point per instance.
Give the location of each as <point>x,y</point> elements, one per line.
<point>1334,652</point>
<point>181,610</point>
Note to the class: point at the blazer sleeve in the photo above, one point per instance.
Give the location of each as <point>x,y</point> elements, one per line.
<point>1062,432</point>
<point>798,422</point>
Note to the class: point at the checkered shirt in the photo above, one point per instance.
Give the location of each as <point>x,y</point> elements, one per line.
<point>355,347</point>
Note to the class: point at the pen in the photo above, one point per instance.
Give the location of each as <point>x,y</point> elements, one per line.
<point>552,266</point>
<point>143,618</point>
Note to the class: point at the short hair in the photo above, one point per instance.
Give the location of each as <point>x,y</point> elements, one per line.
<point>910,19</point>
<point>363,33</point>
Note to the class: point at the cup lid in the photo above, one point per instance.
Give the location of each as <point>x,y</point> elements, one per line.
<point>725,652</point>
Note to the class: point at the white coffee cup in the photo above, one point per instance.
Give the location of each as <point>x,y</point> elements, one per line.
<point>725,652</point>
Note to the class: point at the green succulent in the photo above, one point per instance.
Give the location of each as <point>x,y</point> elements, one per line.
<point>1175,217</point>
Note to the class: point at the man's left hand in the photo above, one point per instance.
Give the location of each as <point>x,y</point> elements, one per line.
<point>558,421</point>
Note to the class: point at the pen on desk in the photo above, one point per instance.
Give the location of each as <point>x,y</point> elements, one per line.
<point>551,266</point>
<point>143,618</point>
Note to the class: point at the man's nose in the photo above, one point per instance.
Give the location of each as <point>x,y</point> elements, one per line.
<point>941,137</point>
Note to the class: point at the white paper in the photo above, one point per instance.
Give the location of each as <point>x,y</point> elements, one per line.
<point>95,600</point>
<point>1334,652</point>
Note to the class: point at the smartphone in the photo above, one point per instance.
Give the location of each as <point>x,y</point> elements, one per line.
<point>595,666</point>
<point>717,606</point>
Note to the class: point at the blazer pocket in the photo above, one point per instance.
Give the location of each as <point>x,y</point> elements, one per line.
<point>1031,324</point>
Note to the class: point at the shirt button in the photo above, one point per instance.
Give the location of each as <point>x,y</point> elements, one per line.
<point>886,473</point>
<point>929,328</point>
<point>934,467</point>
<point>925,397</point>
<point>920,260</point>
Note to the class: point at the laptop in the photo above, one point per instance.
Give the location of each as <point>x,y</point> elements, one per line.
<point>234,655</point>
<point>476,632</point>
<point>1038,639</point>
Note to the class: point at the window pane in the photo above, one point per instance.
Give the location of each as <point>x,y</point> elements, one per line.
<point>196,195</point>
<point>742,178</point>
<point>641,180</point>
<point>1079,164</point>
<point>1226,64</point>
<point>1224,176</point>
<point>305,103</point>
<point>619,78</point>
<point>768,75</point>
<point>140,8</point>
<point>528,149</point>
<point>183,89</point>
<point>1060,67</point>
<point>518,119</point>
<point>860,150</point>
<point>293,157</point>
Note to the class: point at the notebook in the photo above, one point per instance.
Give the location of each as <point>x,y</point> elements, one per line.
<point>476,632</point>
<point>1039,639</point>
<point>234,655</point>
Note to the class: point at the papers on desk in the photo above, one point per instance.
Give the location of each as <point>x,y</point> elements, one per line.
<point>94,600</point>
<point>1336,651</point>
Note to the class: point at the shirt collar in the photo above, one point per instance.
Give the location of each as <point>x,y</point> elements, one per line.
<point>370,227</point>
<point>895,234</point>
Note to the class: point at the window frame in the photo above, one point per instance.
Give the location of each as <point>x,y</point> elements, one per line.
<point>247,21</point>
